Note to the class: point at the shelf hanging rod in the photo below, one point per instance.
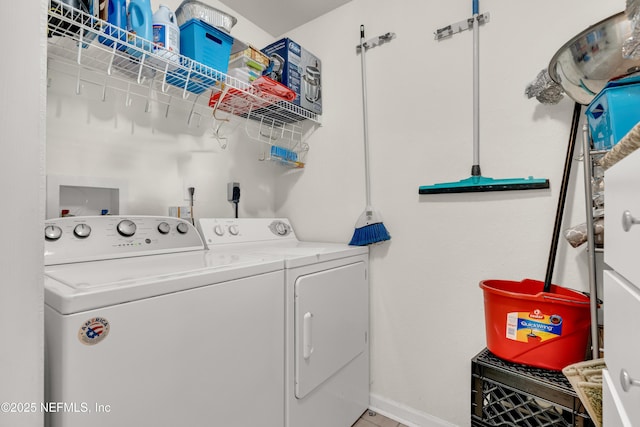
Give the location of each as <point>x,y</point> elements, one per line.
<point>127,100</point>
<point>166,112</point>
<point>147,107</point>
<point>104,89</point>
<point>165,85</point>
<point>113,55</point>
<point>194,112</point>
<point>140,76</point>
<point>78,82</point>
<point>185,95</point>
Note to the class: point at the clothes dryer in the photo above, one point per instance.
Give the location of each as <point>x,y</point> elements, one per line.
<point>326,317</point>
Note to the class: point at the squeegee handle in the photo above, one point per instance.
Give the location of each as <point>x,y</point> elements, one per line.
<point>475,171</point>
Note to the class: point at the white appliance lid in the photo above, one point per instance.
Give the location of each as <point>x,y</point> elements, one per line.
<point>298,254</point>
<point>270,236</point>
<point>70,288</point>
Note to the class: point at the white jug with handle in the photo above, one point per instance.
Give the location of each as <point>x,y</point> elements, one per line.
<point>166,35</point>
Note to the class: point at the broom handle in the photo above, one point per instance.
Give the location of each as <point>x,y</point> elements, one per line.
<point>365,117</point>
<point>475,168</point>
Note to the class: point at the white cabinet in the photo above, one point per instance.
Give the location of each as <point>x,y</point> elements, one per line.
<point>621,394</point>
<point>622,348</point>
<point>622,206</point>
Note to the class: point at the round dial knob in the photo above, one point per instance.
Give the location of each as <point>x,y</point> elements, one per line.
<point>52,232</point>
<point>164,228</point>
<point>182,228</point>
<point>233,230</point>
<point>126,228</point>
<point>281,229</point>
<point>218,230</point>
<point>82,231</point>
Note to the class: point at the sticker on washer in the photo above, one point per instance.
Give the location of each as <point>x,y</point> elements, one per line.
<point>93,331</point>
<point>533,326</point>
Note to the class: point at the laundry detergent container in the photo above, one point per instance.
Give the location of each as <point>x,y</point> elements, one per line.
<point>526,325</point>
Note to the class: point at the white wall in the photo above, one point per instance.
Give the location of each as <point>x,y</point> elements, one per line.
<point>427,309</point>
<point>22,122</point>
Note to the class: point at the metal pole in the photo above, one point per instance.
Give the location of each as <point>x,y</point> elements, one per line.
<point>365,114</point>
<point>475,168</point>
<point>577,109</point>
<point>591,247</point>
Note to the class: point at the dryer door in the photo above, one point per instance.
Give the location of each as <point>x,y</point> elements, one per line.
<point>331,323</point>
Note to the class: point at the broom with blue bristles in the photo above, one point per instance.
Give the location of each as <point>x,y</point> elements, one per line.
<point>369,227</point>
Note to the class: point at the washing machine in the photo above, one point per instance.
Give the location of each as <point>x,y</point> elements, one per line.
<point>144,327</point>
<point>326,317</point>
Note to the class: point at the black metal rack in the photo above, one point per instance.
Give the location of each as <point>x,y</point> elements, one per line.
<point>513,395</point>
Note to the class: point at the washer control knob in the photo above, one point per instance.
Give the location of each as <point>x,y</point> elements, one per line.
<point>218,230</point>
<point>164,228</point>
<point>182,228</point>
<point>52,232</point>
<point>233,230</point>
<point>126,228</point>
<point>82,231</point>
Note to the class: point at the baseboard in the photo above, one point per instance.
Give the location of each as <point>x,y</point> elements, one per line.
<point>404,414</point>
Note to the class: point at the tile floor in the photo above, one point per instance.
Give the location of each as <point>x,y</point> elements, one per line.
<point>372,419</point>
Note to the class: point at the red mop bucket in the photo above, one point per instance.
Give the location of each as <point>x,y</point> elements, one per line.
<point>526,325</point>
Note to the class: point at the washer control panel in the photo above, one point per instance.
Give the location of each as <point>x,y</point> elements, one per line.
<point>92,238</point>
<point>221,231</point>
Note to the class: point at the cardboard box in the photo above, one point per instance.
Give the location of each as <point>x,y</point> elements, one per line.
<point>298,69</point>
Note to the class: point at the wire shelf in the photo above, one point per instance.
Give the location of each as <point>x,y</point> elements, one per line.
<point>80,41</point>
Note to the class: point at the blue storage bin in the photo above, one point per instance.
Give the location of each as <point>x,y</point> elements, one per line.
<point>205,45</point>
<point>612,114</point>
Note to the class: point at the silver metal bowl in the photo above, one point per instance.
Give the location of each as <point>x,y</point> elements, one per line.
<point>585,64</point>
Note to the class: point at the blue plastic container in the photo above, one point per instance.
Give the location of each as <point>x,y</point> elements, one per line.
<point>140,23</point>
<point>284,153</point>
<point>204,45</point>
<point>117,17</point>
<point>612,114</point>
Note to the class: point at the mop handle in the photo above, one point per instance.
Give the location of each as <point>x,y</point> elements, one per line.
<point>365,116</point>
<point>475,169</point>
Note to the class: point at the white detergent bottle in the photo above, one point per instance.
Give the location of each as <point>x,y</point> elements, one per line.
<point>166,35</point>
<point>140,23</point>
